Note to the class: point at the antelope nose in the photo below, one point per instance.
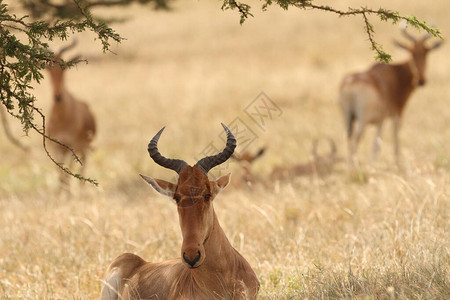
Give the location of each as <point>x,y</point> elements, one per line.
<point>421,82</point>
<point>193,261</point>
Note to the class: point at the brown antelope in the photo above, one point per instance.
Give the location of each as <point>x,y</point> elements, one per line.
<point>321,164</point>
<point>71,122</point>
<point>382,92</point>
<point>246,160</point>
<point>209,267</point>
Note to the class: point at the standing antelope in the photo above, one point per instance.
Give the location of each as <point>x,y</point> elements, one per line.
<point>382,92</point>
<point>209,267</point>
<point>71,122</point>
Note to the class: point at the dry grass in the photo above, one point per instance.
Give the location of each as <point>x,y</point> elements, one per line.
<point>381,235</point>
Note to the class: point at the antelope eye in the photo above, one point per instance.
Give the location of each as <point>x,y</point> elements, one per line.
<point>177,198</point>
<point>207,197</point>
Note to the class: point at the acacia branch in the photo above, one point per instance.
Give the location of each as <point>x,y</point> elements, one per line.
<point>45,137</point>
<point>380,53</point>
<point>383,14</point>
<point>68,10</point>
<point>21,63</point>
<point>243,9</point>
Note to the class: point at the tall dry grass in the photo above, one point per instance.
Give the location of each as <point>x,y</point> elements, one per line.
<point>379,236</point>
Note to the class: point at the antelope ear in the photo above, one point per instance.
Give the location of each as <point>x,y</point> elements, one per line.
<point>436,45</point>
<point>221,183</point>
<point>161,186</point>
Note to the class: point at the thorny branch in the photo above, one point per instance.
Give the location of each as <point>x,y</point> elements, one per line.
<point>67,9</point>
<point>22,62</point>
<point>383,14</point>
<point>45,137</point>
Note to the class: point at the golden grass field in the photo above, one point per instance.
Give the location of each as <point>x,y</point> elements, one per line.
<point>381,235</point>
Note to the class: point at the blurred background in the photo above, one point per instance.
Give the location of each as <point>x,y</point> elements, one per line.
<point>192,67</point>
<point>195,63</point>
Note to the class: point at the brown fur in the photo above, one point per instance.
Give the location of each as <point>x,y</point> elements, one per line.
<point>382,92</point>
<point>70,122</point>
<point>220,271</point>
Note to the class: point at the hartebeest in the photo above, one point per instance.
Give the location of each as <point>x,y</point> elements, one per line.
<point>209,267</point>
<point>71,122</point>
<point>382,92</point>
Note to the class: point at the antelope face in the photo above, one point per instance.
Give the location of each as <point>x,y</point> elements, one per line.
<point>57,71</point>
<point>419,54</point>
<point>56,76</point>
<point>419,51</point>
<point>193,194</point>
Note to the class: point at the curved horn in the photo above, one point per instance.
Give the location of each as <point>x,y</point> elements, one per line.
<point>426,36</point>
<point>68,47</point>
<point>408,35</point>
<point>209,162</point>
<point>174,164</point>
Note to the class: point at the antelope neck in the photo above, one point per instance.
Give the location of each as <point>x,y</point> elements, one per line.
<point>217,248</point>
<point>414,71</point>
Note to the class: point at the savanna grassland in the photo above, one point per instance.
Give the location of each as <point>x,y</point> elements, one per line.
<point>382,234</point>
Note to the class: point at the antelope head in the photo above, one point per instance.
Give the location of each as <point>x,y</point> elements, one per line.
<point>56,69</point>
<point>193,194</point>
<point>419,51</point>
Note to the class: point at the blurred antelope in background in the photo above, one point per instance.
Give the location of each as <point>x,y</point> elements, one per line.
<point>321,164</point>
<point>382,92</point>
<point>209,267</point>
<point>245,160</point>
<point>71,122</point>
